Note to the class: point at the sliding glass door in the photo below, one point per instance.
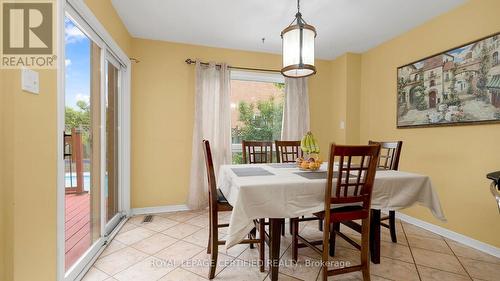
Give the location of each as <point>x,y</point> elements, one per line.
<point>111,184</point>
<point>92,142</point>
<point>82,143</point>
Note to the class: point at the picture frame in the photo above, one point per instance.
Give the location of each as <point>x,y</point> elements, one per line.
<point>459,86</point>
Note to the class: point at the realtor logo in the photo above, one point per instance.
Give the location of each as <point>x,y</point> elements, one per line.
<point>27,34</point>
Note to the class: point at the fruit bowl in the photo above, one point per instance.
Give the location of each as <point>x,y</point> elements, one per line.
<point>312,164</point>
<point>309,169</point>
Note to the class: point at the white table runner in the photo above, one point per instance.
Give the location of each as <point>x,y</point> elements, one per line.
<point>285,194</point>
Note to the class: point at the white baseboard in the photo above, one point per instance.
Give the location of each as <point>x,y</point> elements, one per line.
<point>473,243</point>
<point>159,209</point>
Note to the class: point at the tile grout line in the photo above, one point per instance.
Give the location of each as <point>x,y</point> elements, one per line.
<point>177,266</point>
<point>148,255</point>
<point>454,255</point>
<point>178,240</point>
<point>429,250</point>
<point>474,259</point>
<point>459,261</point>
<point>130,247</point>
<point>439,269</point>
<point>113,275</point>
<point>437,253</point>
<point>411,252</point>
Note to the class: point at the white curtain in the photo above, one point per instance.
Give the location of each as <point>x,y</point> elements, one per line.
<point>212,122</point>
<point>296,111</point>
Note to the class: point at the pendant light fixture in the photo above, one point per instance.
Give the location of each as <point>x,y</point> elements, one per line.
<point>298,48</point>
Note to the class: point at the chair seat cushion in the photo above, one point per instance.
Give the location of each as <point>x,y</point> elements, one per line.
<point>220,197</point>
<point>343,213</point>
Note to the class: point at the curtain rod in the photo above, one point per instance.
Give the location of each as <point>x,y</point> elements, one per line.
<point>190,61</point>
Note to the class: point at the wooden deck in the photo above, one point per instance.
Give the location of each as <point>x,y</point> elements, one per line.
<point>77,227</point>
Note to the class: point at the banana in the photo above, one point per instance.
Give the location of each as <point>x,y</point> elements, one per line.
<point>316,146</point>
<point>312,144</point>
<point>303,144</point>
<point>309,144</point>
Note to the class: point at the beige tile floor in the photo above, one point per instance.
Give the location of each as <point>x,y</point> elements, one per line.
<point>173,247</point>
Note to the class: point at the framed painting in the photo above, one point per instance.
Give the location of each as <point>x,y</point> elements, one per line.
<point>456,87</point>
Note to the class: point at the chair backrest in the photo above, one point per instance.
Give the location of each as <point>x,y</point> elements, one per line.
<point>389,154</point>
<point>352,170</point>
<point>255,152</point>
<point>288,151</point>
<point>212,184</point>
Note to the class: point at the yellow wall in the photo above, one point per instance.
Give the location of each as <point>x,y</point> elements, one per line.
<point>337,107</point>
<point>163,110</point>
<point>3,253</point>
<point>456,158</point>
<point>353,98</point>
<point>345,99</point>
<point>107,15</point>
<point>29,178</point>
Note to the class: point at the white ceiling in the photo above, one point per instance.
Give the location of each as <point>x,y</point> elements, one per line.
<point>342,25</point>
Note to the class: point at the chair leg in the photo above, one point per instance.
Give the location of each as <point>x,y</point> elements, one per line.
<point>295,241</point>
<point>262,244</point>
<point>209,232</point>
<point>324,257</point>
<point>251,235</point>
<point>392,226</point>
<point>214,247</point>
<point>320,225</point>
<point>365,248</point>
<point>334,227</point>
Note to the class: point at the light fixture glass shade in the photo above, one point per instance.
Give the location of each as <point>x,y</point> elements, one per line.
<point>298,55</point>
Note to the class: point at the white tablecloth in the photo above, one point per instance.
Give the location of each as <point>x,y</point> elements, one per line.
<point>287,195</point>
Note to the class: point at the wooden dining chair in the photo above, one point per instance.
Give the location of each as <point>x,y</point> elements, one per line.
<point>347,197</point>
<point>288,151</point>
<point>257,152</point>
<point>218,203</point>
<point>389,160</point>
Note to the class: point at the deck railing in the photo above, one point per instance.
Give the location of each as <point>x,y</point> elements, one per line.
<point>73,157</point>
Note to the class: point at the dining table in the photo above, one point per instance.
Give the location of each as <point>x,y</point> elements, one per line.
<point>281,190</point>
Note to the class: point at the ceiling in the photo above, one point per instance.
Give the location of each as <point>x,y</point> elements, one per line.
<point>342,25</point>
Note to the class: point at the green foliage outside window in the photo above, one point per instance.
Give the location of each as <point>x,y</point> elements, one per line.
<point>78,118</point>
<point>260,121</point>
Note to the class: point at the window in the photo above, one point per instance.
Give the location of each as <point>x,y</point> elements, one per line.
<point>433,83</point>
<point>257,101</point>
<point>495,58</point>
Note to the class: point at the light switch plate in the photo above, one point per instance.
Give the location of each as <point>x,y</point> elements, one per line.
<point>30,81</point>
<point>342,125</point>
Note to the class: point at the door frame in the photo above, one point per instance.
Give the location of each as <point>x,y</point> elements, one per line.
<point>87,18</point>
<point>109,226</point>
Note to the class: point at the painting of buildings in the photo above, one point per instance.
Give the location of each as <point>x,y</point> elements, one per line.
<point>459,86</point>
